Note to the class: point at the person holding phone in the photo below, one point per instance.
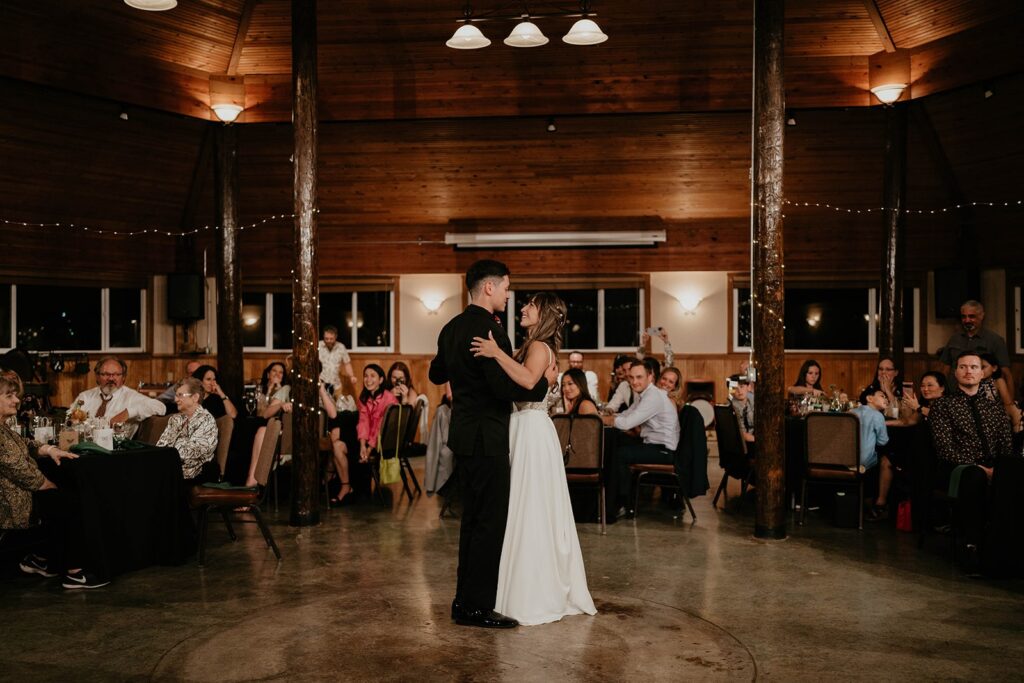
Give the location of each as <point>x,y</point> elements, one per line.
<point>400,383</point>
<point>662,334</point>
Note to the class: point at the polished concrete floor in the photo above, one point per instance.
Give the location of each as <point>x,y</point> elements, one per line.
<point>365,595</point>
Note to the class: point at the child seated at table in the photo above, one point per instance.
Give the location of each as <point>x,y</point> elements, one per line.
<point>871,413</point>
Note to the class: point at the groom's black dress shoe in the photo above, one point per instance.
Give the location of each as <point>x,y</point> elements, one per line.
<point>484,618</point>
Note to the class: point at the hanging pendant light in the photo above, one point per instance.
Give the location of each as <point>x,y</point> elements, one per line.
<point>152,5</point>
<point>468,37</point>
<point>526,34</point>
<point>585,32</point>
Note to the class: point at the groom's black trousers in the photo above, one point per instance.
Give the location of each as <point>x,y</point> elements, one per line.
<point>484,483</point>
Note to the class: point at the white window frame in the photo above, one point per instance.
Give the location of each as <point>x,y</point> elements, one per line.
<point>8,344</point>
<point>268,327</point>
<point>510,321</point>
<point>872,326</point>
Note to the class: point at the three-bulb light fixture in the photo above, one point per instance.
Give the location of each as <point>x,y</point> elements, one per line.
<point>526,33</point>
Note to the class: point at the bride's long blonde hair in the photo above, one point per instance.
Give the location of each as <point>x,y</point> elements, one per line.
<point>551,316</point>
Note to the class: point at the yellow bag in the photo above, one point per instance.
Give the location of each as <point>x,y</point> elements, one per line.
<point>390,469</point>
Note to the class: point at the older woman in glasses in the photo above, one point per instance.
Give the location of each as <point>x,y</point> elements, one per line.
<point>192,432</point>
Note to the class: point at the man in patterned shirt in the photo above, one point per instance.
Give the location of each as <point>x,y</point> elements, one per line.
<point>334,355</point>
<point>969,429</point>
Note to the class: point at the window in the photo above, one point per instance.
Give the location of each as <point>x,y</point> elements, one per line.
<point>6,316</point>
<point>599,319</point>
<point>364,319</point>
<point>1019,343</point>
<point>66,318</point>
<point>828,318</point>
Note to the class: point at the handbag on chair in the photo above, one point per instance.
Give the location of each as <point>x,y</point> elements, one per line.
<point>390,469</point>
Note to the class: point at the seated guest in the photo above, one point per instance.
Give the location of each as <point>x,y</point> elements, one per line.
<point>641,351</point>
<point>576,361</point>
<point>400,383</point>
<point>620,372</point>
<point>969,430</point>
<point>932,387</point>
<point>339,449</point>
<point>671,380</point>
<point>217,403</point>
<point>808,380</point>
<point>274,390</point>
<point>655,415</point>
<point>116,402</point>
<point>623,396</point>
<point>22,487</point>
<point>994,386</point>
<point>743,405</point>
<point>890,380</point>
<point>576,399</point>
<point>870,412</point>
<point>167,398</point>
<point>373,403</point>
<point>193,433</point>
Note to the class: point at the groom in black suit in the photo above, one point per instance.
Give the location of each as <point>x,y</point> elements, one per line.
<point>482,396</point>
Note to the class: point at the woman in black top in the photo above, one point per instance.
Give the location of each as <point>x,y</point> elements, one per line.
<point>217,403</point>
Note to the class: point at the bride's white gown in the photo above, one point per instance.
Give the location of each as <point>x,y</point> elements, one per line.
<point>541,577</point>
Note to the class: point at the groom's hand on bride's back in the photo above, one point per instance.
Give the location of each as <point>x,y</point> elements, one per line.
<point>551,374</point>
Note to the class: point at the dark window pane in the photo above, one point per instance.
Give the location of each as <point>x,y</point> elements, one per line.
<point>744,318</point>
<point>282,320</point>
<point>336,310</point>
<point>374,316</point>
<point>621,317</point>
<point>581,318</point>
<point>59,318</point>
<point>909,316</point>
<point>826,319</point>
<point>5,317</point>
<point>254,319</point>
<point>125,318</point>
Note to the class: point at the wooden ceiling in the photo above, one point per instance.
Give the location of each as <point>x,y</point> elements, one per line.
<point>419,139</point>
<point>386,59</point>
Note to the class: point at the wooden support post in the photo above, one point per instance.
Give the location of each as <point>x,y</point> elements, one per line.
<point>305,509</point>
<point>890,327</point>
<point>230,367</point>
<point>767,272</point>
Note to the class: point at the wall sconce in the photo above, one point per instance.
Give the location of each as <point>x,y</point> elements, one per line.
<point>689,302</point>
<point>227,97</point>
<point>251,316</point>
<point>889,75</point>
<point>432,302</point>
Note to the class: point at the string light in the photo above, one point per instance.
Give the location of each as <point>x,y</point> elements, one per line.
<point>883,209</point>
<point>146,231</point>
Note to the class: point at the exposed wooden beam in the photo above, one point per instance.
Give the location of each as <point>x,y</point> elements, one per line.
<point>199,175</point>
<point>880,27</point>
<point>243,30</point>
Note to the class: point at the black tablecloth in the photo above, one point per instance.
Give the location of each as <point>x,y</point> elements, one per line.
<point>132,506</point>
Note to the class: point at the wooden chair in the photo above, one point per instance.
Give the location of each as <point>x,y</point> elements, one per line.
<point>732,451</point>
<point>833,456</point>
<point>396,432</point>
<point>226,500</point>
<point>225,428</point>
<point>151,429</point>
<point>582,441</point>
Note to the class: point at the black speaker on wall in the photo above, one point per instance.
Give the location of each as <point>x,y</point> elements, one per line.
<point>953,286</point>
<point>185,297</point>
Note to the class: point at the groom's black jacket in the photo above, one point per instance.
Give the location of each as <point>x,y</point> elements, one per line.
<point>482,393</point>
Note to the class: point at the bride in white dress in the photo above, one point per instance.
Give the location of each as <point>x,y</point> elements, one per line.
<point>541,577</point>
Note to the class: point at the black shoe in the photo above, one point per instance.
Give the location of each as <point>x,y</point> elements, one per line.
<point>484,618</point>
<point>33,564</point>
<point>877,513</point>
<point>82,580</point>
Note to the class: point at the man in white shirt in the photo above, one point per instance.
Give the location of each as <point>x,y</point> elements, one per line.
<point>655,415</point>
<point>621,395</point>
<point>116,402</point>
<point>333,355</point>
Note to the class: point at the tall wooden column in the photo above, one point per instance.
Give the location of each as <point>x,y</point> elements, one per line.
<point>767,274</point>
<point>229,278</point>
<point>890,328</point>
<point>305,290</point>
